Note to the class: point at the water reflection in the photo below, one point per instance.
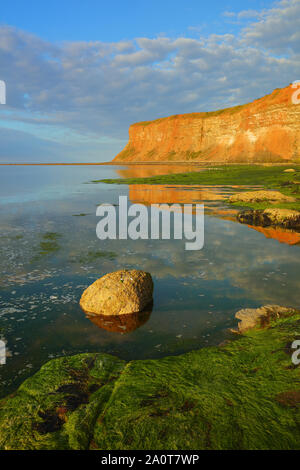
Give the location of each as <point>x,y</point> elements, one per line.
<point>143,171</point>
<point>212,196</point>
<point>281,235</point>
<point>196,293</point>
<point>121,323</point>
<point>181,194</point>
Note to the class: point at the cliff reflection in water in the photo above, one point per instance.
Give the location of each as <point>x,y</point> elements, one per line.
<point>162,193</point>
<point>121,323</point>
<point>281,235</point>
<point>143,171</point>
<point>214,199</point>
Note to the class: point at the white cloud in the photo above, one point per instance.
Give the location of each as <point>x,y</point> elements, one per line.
<point>278,30</point>
<point>243,15</point>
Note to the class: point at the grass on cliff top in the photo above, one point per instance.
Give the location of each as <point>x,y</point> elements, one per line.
<point>242,395</point>
<point>268,177</point>
<point>200,115</point>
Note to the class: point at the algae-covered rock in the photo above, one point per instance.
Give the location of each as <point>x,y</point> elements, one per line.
<point>58,406</point>
<point>260,196</point>
<point>277,217</point>
<point>285,217</point>
<point>261,317</point>
<point>117,293</point>
<point>243,395</point>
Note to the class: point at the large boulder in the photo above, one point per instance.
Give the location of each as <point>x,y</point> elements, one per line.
<point>118,293</point>
<point>262,316</point>
<point>277,217</point>
<point>260,196</point>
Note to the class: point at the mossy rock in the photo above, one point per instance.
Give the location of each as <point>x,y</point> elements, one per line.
<point>58,406</point>
<point>271,217</point>
<point>241,395</point>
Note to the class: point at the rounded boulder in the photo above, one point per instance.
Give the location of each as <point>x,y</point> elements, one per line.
<point>118,293</point>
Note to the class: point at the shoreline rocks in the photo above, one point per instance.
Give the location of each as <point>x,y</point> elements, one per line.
<point>262,316</point>
<point>278,217</point>
<point>261,196</point>
<point>118,293</point>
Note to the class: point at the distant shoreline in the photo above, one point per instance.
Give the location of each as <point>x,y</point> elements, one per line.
<point>51,164</point>
<point>119,163</point>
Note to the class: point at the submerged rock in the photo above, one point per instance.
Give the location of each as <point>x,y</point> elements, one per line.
<point>261,196</point>
<point>278,217</point>
<point>261,317</point>
<point>118,293</point>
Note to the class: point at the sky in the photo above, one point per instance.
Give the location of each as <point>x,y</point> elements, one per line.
<point>78,73</point>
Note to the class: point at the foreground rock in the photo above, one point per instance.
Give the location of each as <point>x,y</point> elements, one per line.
<point>261,196</point>
<point>243,395</point>
<point>118,293</point>
<point>262,317</point>
<point>278,217</point>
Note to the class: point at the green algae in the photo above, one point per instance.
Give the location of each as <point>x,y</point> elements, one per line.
<point>241,395</point>
<point>94,255</point>
<point>268,177</point>
<point>57,407</point>
<point>215,398</point>
<point>48,245</point>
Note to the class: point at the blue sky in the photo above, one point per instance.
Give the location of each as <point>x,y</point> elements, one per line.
<point>78,73</point>
<point>91,20</point>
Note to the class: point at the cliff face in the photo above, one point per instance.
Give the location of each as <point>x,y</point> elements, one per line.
<point>266,130</point>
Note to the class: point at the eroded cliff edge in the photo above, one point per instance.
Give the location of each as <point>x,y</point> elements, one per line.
<point>266,130</point>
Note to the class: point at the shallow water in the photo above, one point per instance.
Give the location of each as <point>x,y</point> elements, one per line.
<point>50,254</point>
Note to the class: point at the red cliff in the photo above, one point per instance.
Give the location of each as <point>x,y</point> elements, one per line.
<point>266,130</point>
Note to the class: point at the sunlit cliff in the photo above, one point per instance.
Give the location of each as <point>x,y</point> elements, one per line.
<point>266,130</point>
